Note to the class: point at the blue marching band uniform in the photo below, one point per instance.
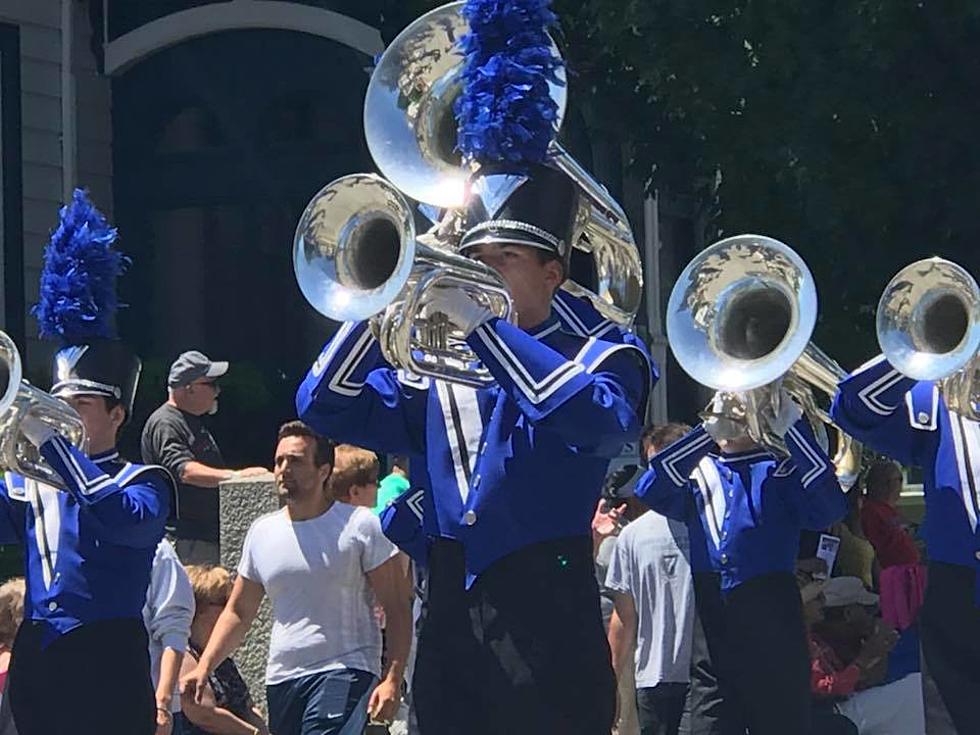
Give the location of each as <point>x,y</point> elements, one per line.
<point>80,661</point>
<point>908,421</point>
<point>744,512</point>
<point>513,472</point>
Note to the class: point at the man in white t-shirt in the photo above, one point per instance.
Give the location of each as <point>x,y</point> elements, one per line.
<point>322,563</point>
<point>650,576</point>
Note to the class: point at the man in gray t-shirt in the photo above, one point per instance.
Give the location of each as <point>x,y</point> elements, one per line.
<point>650,577</point>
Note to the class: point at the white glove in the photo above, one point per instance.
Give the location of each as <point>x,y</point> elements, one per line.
<point>788,413</point>
<point>718,427</point>
<point>36,431</point>
<point>458,307</point>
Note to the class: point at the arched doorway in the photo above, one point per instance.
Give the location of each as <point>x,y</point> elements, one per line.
<point>218,144</point>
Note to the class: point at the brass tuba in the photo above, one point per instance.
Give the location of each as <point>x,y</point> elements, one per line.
<point>739,320</point>
<point>356,256</point>
<point>928,326</point>
<point>17,399</point>
<point>411,132</point>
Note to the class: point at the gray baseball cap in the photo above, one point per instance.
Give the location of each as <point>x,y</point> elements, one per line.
<point>194,365</point>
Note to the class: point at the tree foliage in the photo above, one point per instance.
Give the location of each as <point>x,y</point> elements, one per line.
<point>845,128</point>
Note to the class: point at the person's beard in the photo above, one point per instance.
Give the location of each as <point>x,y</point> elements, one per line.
<point>214,408</point>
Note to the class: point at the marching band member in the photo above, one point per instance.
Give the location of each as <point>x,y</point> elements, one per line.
<point>514,473</point>
<point>89,546</point>
<point>744,510</point>
<point>908,420</point>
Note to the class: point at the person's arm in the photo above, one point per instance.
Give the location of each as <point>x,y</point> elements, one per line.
<point>825,681</point>
<point>823,500</point>
<point>622,632</point>
<point>170,661</point>
<point>208,716</point>
<point>870,406</point>
<point>228,634</point>
<point>132,515</point>
<point>350,393</point>
<point>197,473</point>
<point>168,445</point>
<point>388,583</point>
<point>666,486</point>
<point>168,615</point>
<point>401,523</point>
<point>595,404</point>
<point>620,580</point>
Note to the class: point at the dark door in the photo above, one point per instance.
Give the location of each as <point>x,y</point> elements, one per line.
<point>219,143</point>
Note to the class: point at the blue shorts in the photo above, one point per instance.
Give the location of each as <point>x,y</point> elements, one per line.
<point>329,703</point>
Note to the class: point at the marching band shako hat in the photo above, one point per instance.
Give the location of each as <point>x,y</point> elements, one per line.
<point>77,306</point>
<point>539,213</point>
<point>101,368</point>
<point>507,119</point>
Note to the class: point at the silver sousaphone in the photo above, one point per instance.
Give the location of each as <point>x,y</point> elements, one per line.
<point>17,399</point>
<point>411,132</point>
<point>928,326</point>
<point>739,320</point>
<point>356,256</point>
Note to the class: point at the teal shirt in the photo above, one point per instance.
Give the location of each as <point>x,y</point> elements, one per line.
<point>388,489</point>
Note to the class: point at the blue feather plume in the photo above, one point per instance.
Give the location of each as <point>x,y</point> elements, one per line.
<point>78,283</point>
<point>505,113</point>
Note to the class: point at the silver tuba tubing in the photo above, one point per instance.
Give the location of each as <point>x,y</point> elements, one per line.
<point>356,256</point>
<point>411,132</point>
<point>739,320</point>
<point>928,326</point>
<point>17,453</point>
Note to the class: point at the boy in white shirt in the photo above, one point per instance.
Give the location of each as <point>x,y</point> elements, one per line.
<point>322,563</point>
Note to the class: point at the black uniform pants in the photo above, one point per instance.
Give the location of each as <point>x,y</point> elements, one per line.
<point>522,651</point>
<point>750,667</point>
<point>94,680</point>
<point>659,708</point>
<point>950,626</point>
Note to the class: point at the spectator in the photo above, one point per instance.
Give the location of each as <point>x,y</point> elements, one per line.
<point>319,561</point>
<point>882,523</point>
<point>650,575</point>
<point>11,613</point>
<point>853,653</point>
<point>393,484</point>
<point>902,579</point>
<point>848,644</point>
<point>176,438</point>
<point>223,705</point>
<point>167,615</point>
<point>354,479</point>
<point>856,555</point>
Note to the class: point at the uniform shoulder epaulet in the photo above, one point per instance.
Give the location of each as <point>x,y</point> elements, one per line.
<point>923,406</point>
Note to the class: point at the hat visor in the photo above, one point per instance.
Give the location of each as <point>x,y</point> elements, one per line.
<point>866,598</point>
<point>216,370</point>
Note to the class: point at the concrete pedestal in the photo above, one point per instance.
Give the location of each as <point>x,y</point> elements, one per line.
<point>242,501</point>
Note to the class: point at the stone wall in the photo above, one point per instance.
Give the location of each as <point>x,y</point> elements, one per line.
<point>242,501</point>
